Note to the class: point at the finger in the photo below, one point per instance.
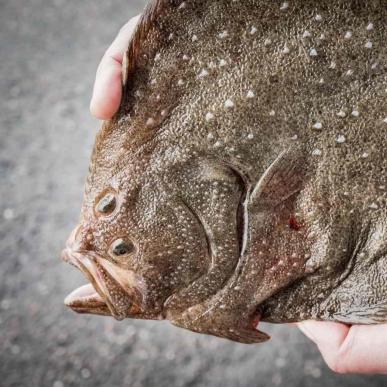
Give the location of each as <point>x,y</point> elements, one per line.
<point>328,336</point>
<point>107,90</point>
<point>356,349</point>
<point>324,332</point>
<point>364,350</point>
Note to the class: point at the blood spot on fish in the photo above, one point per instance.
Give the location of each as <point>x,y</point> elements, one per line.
<point>294,224</point>
<point>255,321</point>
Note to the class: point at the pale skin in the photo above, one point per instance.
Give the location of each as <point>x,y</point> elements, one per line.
<point>346,349</point>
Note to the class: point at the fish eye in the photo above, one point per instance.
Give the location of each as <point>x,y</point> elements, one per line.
<point>106,204</point>
<point>121,247</point>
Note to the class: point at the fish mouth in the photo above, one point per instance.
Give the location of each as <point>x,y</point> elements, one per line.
<point>86,299</point>
<point>112,291</point>
<point>91,298</point>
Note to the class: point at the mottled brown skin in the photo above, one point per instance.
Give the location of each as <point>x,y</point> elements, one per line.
<point>244,176</point>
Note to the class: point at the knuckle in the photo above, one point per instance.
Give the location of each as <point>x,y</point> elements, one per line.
<point>338,365</point>
<point>342,362</point>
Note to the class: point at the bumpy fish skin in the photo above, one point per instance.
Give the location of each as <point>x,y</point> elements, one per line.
<point>248,167</point>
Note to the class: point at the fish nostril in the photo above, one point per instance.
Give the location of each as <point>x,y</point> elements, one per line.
<point>71,241</point>
<point>80,239</point>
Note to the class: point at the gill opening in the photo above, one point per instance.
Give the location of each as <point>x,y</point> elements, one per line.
<point>242,215</point>
<point>202,224</point>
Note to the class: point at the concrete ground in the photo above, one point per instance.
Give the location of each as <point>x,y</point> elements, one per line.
<point>49,51</point>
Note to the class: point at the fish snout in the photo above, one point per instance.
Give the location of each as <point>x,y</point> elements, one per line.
<point>80,239</point>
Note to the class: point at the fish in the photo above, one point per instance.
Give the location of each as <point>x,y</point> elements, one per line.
<point>243,178</point>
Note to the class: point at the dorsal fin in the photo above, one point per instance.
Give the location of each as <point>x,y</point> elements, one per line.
<point>153,10</point>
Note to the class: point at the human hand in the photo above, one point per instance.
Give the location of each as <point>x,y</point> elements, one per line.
<point>347,349</point>
<point>107,91</point>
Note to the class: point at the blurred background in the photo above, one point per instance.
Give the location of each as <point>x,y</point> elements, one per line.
<point>49,52</point>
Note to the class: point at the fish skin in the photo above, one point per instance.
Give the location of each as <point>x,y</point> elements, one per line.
<point>248,163</point>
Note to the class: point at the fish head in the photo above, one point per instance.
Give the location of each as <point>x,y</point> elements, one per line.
<point>135,243</point>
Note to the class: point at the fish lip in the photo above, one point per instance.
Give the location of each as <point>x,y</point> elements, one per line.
<point>87,303</point>
<point>81,260</point>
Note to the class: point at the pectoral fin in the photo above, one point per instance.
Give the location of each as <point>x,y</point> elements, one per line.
<point>282,179</point>
<point>222,321</point>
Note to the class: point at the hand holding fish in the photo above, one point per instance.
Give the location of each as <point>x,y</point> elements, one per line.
<point>107,88</point>
<point>355,349</point>
<point>345,348</point>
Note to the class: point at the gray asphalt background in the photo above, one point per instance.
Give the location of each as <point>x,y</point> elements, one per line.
<point>49,50</point>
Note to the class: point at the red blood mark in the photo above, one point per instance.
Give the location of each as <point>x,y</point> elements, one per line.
<point>294,224</point>
<point>256,320</point>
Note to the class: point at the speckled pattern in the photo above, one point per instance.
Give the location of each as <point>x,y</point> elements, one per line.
<point>50,50</point>
<point>193,184</point>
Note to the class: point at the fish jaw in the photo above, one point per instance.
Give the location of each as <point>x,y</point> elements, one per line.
<point>112,291</point>
<point>86,299</point>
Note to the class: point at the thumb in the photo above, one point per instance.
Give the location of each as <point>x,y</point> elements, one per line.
<point>107,87</point>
